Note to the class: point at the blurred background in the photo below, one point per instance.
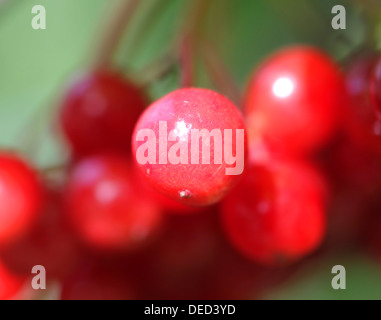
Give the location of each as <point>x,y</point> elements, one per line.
<point>36,64</point>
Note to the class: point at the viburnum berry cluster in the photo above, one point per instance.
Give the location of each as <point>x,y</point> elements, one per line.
<point>195,196</point>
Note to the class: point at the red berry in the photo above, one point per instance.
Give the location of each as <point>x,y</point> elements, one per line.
<point>105,205</point>
<point>188,243</point>
<point>49,243</point>
<point>357,167</point>
<point>99,112</point>
<point>20,198</point>
<point>10,283</point>
<point>192,179</point>
<point>294,99</point>
<point>192,260</point>
<point>167,204</point>
<point>363,125</point>
<point>276,214</point>
<point>375,86</point>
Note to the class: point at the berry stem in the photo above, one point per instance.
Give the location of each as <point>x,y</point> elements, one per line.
<point>6,5</point>
<point>54,169</point>
<point>155,70</point>
<point>31,142</point>
<point>191,33</point>
<point>219,73</point>
<point>186,60</point>
<point>110,40</point>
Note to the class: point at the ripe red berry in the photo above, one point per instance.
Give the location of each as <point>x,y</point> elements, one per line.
<point>294,99</point>
<point>276,214</point>
<point>49,243</point>
<point>375,86</point>
<point>363,125</point>
<point>10,283</point>
<point>20,198</point>
<point>168,205</point>
<point>170,154</point>
<point>106,206</point>
<point>99,113</point>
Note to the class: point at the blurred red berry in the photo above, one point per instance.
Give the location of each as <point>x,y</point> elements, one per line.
<point>294,99</point>
<point>356,166</point>
<point>99,112</point>
<point>276,214</point>
<point>183,112</point>
<point>106,205</point>
<point>10,283</point>
<point>49,243</point>
<point>375,86</point>
<point>20,198</point>
<point>363,125</point>
<point>192,260</point>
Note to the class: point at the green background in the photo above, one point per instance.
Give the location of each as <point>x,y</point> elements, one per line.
<point>35,64</point>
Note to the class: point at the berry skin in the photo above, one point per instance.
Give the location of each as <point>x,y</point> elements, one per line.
<point>294,99</point>
<point>167,205</point>
<point>185,111</point>
<point>20,198</point>
<point>49,243</point>
<point>10,283</point>
<point>276,214</point>
<point>362,125</point>
<point>99,113</point>
<point>106,206</point>
<point>375,86</point>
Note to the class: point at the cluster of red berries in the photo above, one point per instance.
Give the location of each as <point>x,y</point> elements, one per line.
<point>119,229</point>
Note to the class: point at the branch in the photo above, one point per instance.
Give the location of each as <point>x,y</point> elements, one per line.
<point>110,40</point>
<point>220,74</point>
<point>191,32</point>
<point>154,71</point>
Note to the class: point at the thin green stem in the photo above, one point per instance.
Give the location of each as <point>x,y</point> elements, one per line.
<point>220,74</point>
<point>154,71</point>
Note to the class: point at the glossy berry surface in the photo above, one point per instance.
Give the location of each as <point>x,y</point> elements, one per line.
<point>277,213</point>
<point>167,205</point>
<point>105,205</point>
<point>20,198</point>
<point>99,112</point>
<point>193,182</point>
<point>294,99</point>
